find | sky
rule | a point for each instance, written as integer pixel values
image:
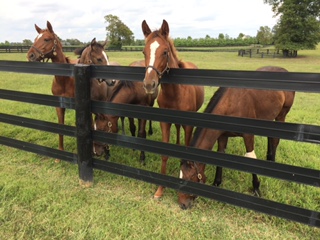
(84, 20)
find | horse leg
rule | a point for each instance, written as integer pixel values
(274, 142)
(165, 129)
(60, 113)
(272, 147)
(222, 145)
(249, 143)
(142, 134)
(132, 127)
(150, 131)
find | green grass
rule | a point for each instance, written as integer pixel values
(40, 199)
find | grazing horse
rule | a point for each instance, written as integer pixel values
(161, 55)
(48, 46)
(237, 102)
(126, 92)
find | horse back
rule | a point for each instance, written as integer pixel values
(199, 90)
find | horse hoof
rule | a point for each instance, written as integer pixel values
(158, 198)
(257, 193)
(216, 184)
(57, 161)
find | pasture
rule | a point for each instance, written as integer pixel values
(41, 199)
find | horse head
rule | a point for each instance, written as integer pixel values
(103, 123)
(94, 54)
(158, 55)
(190, 171)
(45, 44)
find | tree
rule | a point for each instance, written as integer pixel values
(117, 32)
(298, 27)
(264, 35)
(240, 36)
(221, 36)
(27, 42)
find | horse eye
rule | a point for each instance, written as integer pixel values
(99, 60)
(47, 40)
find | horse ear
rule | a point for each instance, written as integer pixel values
(37, 28)
(93, 41)
(49, 26)
(164, 28)
(145, 29)
(105, 43)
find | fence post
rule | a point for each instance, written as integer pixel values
(82, 75)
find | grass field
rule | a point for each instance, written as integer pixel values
(40, 199)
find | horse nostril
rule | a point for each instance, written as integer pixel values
(31, 56)
(153, 84)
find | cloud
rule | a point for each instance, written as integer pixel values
(85, 20)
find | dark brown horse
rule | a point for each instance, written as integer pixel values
(47, 46)
(237, 102)
(126, 92)
(161, 55)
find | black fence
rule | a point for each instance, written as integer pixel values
(305, 82)
(260, 53)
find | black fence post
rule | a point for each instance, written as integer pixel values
(82, 75)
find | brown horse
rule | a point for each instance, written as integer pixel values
(126, 92)
(47, 46)
(237, 102)
(161, 55)
(100, 89)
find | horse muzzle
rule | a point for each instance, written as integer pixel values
(150, 88)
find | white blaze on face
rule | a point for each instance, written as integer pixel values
(94, 126)
(153, 49)
(181, 174)
(39, 36)
(251, 154)
(106, 57)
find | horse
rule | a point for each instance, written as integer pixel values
(100, 89)
(160, 55)
(237, 102)
(48, 46)
(126, 92)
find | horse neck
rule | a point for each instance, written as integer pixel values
(59, 57)
(170, 89)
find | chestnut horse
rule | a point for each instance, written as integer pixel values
(126, 92)
(161, 55)
(47, 46)
(237, 102)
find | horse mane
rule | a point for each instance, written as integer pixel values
(210, 107)
(79, 51)
(121, 84)
(173, 49)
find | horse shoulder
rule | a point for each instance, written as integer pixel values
(74, 61)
